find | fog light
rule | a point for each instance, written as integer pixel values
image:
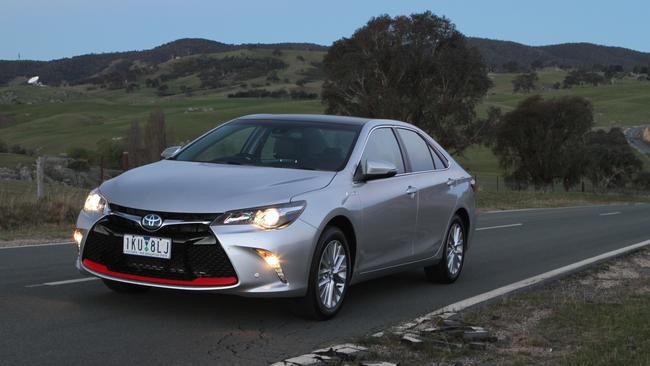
(273, 261)
(77, 236)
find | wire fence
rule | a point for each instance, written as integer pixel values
(498, 183)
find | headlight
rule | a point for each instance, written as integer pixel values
(95, 203)
(271, 217)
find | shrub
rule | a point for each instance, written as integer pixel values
(80, 153)
(79, 165)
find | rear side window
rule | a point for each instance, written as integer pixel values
(438, 160)
(417, 150)
(382, 145)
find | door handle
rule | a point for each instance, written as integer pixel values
(451, 182)
(411, 191)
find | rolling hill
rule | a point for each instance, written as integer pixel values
(81, 69)
(578, 55)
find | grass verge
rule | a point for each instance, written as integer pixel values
(600, 316)
(506, 200)
(22, 215)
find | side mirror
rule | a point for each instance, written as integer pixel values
(377, 169)
(169, 152)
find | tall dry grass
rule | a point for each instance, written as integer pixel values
(20, 210)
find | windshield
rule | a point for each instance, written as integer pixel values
(281, 144)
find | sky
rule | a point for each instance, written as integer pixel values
(51, 29)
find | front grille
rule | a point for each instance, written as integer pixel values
(165, 215)
(196, 252)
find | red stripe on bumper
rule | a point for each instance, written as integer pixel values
(201, 281)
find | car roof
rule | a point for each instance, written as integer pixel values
(357, 121)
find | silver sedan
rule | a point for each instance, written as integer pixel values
(282, 205)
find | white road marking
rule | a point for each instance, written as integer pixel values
(610, 213)
(498, 227)
(463, 304)
(561, 208)
(38, 245)
(65, 282)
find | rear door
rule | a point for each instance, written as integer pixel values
(389, 210)
(429, 174)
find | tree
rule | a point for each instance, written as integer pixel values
(543, 140)
(511, 66)
(525, 82)
(611, 162)
(137, 155)
(537, 64)
(156, 135)
(415, 68)
(111, 152)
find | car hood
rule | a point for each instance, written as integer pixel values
(181, 186)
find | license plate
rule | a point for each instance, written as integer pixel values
(147, 246)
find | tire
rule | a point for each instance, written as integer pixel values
(316, 303)
(125, 288)
(442, 272)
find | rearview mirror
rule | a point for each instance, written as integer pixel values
(377, 169)
(169, 152)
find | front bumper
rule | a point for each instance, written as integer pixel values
(253, 276)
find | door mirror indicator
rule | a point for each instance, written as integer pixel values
(169, 152)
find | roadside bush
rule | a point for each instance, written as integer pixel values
(3, 147)
(80, 153)
(301, 94)
(111, 152)
(79, 165)
(259, 93)
(642, 181)
(21, 150)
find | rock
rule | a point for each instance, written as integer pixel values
(476, 335)
(25, 173)
(412, 340)
(444, 344)
(378, 335)
(452, 323)
(374, 363)
(480, 346)
(304, 360)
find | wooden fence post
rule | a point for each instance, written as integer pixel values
(101, 169)
(125, 160)
(40, 191)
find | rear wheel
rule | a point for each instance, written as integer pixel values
(453, 256)
(329, 276)
(125, 288)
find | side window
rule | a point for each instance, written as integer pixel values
(437, 159)
(417, 150)
(382, 145)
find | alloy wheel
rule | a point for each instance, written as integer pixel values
(455, 249)
(332, 274)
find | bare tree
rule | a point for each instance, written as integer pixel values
(156, 135)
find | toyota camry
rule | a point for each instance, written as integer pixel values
(297, 206)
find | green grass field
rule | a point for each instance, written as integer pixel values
(51, 120)
(624, 103)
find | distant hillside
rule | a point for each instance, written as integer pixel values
(79, 68)
(128, 65)
(581, 55)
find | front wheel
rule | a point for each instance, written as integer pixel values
(329, 276)
(453, 256)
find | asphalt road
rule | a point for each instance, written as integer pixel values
(71, 323)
